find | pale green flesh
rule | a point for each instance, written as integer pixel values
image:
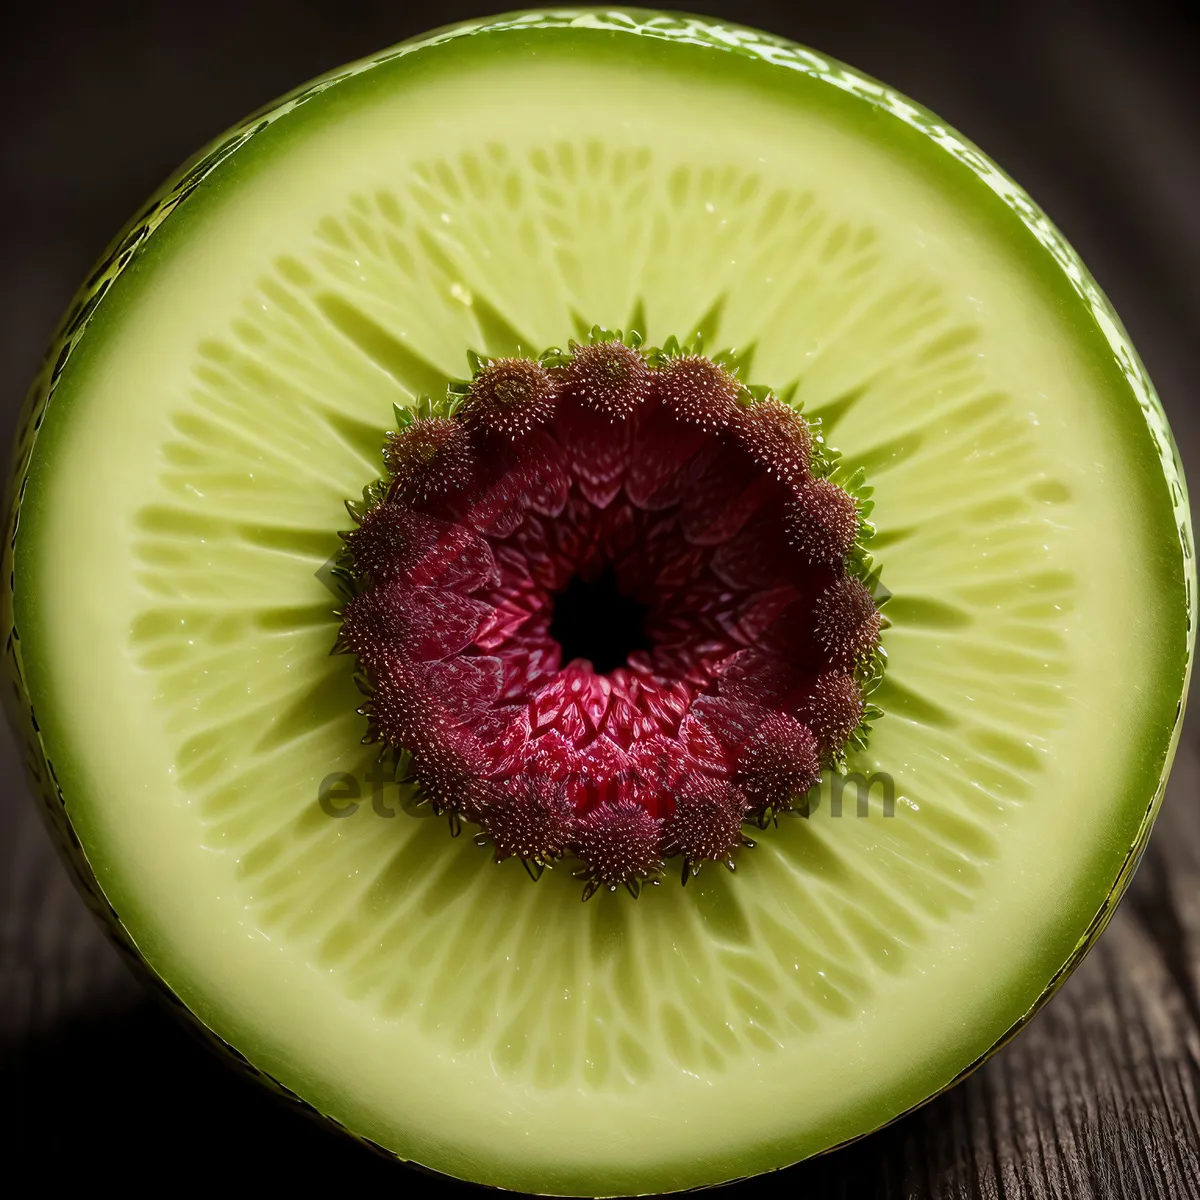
(190, 479)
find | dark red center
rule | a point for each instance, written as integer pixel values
(618, 622)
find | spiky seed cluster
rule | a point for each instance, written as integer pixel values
(382, 544)
(420, 624)
(450, 777)
(620, 842)
(822, 522)
(429, 459)
(403, 709)
(607, 378)
(529, 818)
(707, 821)
(396, 543)
(374, 625)
(709, 503)
(833, 710)
(698, 391)
(511, 397)
(779, 763)
(846, 623)
(777, 437)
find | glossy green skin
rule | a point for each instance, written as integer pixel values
(766, 62)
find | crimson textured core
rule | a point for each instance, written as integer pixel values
(713, 509)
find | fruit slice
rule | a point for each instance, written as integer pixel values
(224, 384)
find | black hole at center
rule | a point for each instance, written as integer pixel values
(597, 622)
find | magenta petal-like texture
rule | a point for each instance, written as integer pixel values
(701, 506)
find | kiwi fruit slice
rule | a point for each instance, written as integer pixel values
(224, 384)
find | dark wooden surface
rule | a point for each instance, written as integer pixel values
(1095, 109)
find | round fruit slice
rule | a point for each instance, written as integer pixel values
(224, 384)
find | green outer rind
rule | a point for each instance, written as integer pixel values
(643, 24)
